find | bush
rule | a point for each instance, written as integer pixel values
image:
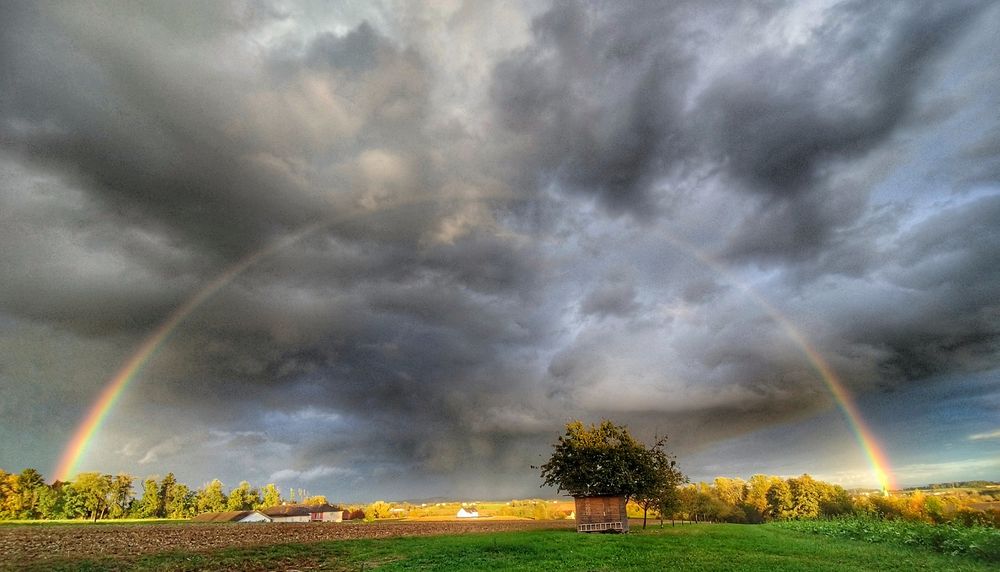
(978, 541)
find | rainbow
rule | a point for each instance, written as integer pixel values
(112, 391)
(873, 451)
(876, 457)
(98, 412)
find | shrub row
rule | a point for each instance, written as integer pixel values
(978, 541)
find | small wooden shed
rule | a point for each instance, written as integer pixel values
(603, 513)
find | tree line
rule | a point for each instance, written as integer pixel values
(767, 498)
(605, 459)
(97, 496)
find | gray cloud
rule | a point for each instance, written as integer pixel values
(616, 298)
(595, 102)
(579, 217)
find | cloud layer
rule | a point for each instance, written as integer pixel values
(492, 219)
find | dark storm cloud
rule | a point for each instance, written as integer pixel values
(599, 104)
(778, 119)
(355, 51)
(947, 269)
(575, 218)
(614, 298)
(149, 144)
(596, 100)
(783, 124)
(216, 162)
(795, 134)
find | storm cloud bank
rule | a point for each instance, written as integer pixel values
(517, 215)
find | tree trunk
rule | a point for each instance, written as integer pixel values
(644, 509)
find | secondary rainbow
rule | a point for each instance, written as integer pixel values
(92, 421)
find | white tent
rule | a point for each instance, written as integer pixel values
(471, 513)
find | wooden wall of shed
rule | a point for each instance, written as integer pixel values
(591, 510)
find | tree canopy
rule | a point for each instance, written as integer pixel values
(606, 460)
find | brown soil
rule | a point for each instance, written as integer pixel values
(22, 546)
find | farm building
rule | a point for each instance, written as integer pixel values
(232, 516)
(467, 513)
(305, 513)
(601, 513)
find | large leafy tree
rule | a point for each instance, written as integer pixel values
(378, 509)
(606, 460)
(73, 502)
(167, 492)
(149, 506)
(30, 485)
(121, 495)
(243, 497)
(211, 498)
(50, 501)
(805, 493)
(10, 495)
(315, 499)
(779, 501)
(660, 478)
(272, 496)
(181, 503)
(95, 493)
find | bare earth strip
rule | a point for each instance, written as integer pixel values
(25, 545)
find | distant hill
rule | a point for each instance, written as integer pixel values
(957, 485)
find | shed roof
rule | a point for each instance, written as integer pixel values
(299, 509)
(229, 516)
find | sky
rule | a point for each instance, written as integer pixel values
(409, 241)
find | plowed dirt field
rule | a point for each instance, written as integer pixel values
(33, 545)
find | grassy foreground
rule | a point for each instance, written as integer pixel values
(697, 547)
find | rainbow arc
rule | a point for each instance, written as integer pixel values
(114, 388)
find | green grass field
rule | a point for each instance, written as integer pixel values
(694, 547)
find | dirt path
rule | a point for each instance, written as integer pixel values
(31, 545)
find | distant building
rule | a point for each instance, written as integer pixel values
(467, 513)
(232, 516)
(304, 513)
